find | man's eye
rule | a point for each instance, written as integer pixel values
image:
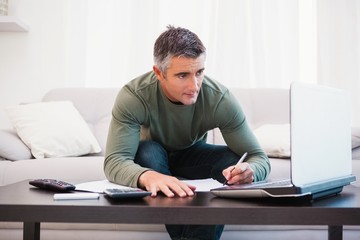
(200, 72)
(181, 76)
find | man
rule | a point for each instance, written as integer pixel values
(177, 105)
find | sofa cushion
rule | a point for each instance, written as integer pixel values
(274, 139)
(11, 146)
(53, 129)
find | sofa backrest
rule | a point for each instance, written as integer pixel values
(264, 105)
(261, 106)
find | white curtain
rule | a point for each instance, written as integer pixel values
(339, 48)
(250, 43)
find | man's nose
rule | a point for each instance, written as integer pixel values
(194, 83)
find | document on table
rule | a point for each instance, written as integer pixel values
(98, 186)
(202, 185)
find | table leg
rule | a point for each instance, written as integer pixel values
(31, 231)
(335, 232)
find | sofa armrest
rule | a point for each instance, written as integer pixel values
(355, 142)
(355, 137)
(356, 153)
(12, 147)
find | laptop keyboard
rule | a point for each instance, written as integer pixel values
(272, 184)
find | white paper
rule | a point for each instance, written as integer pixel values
(98, 186)
(202, 185)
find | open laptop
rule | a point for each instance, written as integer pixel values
(320, 120)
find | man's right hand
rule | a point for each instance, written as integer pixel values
(154, 182)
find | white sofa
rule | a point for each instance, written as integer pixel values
(262, 107)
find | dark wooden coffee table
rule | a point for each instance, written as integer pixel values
(21, 202)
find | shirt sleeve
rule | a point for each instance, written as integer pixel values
(123, 140)
(239, 136)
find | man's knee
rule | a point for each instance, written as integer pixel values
(152, 155)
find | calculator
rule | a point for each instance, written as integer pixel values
(118, 193)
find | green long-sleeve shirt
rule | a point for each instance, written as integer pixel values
(142, 103)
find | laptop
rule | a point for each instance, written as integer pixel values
(321, 164)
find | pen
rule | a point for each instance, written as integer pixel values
(237, 164)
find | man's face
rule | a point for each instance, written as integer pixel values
(183, 78)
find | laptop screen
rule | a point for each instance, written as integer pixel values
(320, 133)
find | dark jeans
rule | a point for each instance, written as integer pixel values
(200, 161)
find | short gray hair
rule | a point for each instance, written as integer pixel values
(176, 42)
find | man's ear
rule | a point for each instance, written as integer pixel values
(158, 73)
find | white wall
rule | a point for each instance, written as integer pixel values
(32, 62)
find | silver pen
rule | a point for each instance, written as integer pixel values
(237, 165)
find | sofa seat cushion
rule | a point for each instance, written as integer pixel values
(70, 169)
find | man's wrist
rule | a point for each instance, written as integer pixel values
(141, 180)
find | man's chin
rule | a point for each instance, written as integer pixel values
(189, 102)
